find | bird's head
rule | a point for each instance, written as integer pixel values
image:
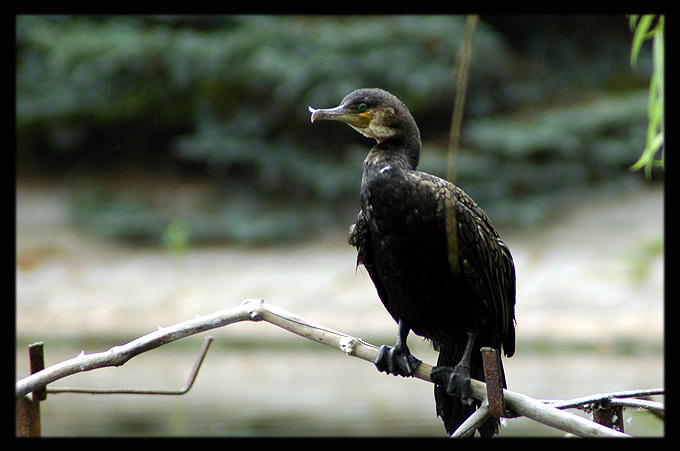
(374, 113)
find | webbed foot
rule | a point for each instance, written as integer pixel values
(456, 381)
(396, 360)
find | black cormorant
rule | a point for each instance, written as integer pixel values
(438, 265)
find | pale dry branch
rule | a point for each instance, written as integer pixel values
(599, 397)
(137, 391)
(119, 355)
(258, 310)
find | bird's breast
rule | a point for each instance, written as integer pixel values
(393, 204)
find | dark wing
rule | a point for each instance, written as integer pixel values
(359, 238)
(488, 265)
(478, 251)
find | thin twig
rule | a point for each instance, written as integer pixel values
(598, 397)
(473, 422)
(454, 134)
(461, 90)
(652, 406)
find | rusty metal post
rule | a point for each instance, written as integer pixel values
(37, 361)
(27, 411)
(27, 417)
(494, 381)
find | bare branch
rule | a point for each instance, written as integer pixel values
(137, 391)
(598, 397)
(473, 422)
(257, 310)
(652, 406)
(550, 416)
(516, 402)
(119, 355)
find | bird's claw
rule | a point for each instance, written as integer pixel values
(456, 381)
(396, 360)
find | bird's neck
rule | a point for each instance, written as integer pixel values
(403, 155)
(381, 157)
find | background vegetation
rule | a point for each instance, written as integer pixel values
(176, 130)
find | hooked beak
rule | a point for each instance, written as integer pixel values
(341, 114)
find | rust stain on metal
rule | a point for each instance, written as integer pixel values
(494, 382)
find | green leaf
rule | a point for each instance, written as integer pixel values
(640, 36)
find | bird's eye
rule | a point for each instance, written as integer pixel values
(362, 108)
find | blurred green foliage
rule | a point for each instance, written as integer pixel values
(105, 101)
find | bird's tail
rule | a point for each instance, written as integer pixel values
(450, 408)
